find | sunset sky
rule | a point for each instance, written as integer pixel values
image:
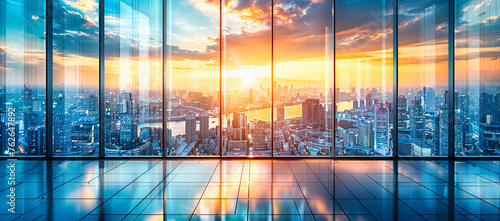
(302, 42)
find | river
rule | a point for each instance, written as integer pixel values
(178, 127)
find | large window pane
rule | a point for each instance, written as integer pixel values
(193, 78)
(246, 76)
(303, 90)
(134, 78)
(477, 78)
(363, 77)
(76, 111)
(22, 78)
(423, 78)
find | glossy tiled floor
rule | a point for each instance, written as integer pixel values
(253, 190)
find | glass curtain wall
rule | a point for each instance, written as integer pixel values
(22, 78)
(192, 78)
(363, 78)
(477, 78)
(133, 78)
(423, 78)
(246, 78)
(302, 78)
(76, 78)
(251, 78)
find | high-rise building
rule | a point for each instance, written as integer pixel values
(369, 101)
(62, 126)
(489, 139)
(402, 111)
(204, 125)
(437, 134)
(190, 128)
(312, 113)
(381, 130)
(443, 132)
(93, 106)
(35, 141)
(485, 107)
(126, 102)
(27, 98)
(355, 104)
(417, 123)
(429, 99)
(240, 126)
(127, 131)
(496, 108)
(365, 133)
(281, 113)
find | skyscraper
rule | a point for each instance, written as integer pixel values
(312, 113)
(443, 131)
(190, 128)
(402, 111)
(369, 101)
(62, 126)
(485, 106)
(93, 106)
(417, 123)
(381, 130)
(496, 108)
(429, 99)
(281, 113)
(204, 125)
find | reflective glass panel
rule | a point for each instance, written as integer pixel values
(423, 78)
(193, 78)
(22, 78)
(76, 78)
(363, 78)
(302, 78)
(246, 78)
(134, 78)
(477, 78)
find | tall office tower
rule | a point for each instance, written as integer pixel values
(32, 141)
(436, 134)
(496, 108)
(204, 125)
(240, 127)
(417, 123)
(459, 135)
(485, 104)
(126, 130)
(364, 133)
(281, 113)
(93, 106)
(27, 98)
(168, 134)
(2, 96)
(402, 111)
(126, 102)
(381, 130)
(361, 103)
(429, 100)
(355, 104)
(489, 139)
(62, 126)
(369, 102)
(190, 128)
(312, 113)
(443, 131)
(463, 105)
